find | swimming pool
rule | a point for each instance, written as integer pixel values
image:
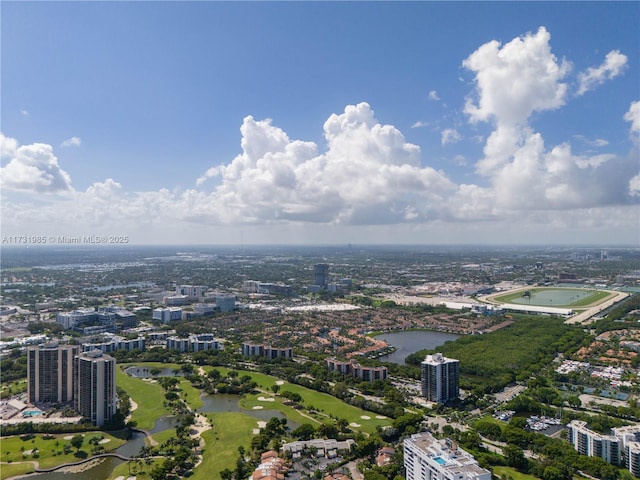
(440, 461)
(31, 413)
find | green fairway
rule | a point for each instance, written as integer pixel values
(359, 419)
(250, 401)
(148, 396)
(164, 435)
(230, 430)
(11, 469)
(190, 394)
(324, 403)
(49, 452)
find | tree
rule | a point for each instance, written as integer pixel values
(77, 441)
(552, 473)
(369, 446)
(304, 432)
(226, 474)
(515, 456)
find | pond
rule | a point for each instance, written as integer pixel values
(408, 342)
(222, 402)
(164, 423)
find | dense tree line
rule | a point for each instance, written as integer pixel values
(14, 367)
(493, 360)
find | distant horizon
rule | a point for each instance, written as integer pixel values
(330, 245)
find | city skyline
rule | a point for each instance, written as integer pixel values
(321, 123)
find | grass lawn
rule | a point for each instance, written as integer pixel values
(125, 469)
(190, 394)
(10, 469)
(230, 430)
(264, 381)
(150, 365)
(329, 405)
(148, 395)
(513, 473)
(321, 401)
(13, 388)
(250, 401)
(164, 435)
(48, 453)
(490, 419)
(324, 403)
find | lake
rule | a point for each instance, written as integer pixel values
(408, 342)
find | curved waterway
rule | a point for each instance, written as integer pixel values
(101, 471)
(408, 342)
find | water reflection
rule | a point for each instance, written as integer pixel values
(410, 342)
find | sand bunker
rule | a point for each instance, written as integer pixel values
(258, 407)
(266, 399)
(352, 424)
(280, 382)
(380, 417)
(105, 440)
(256, 431)
(262, 424)
(365, 417)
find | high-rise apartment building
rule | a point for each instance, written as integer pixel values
(95, 386)
(440, 378)
(50, 372)
(321, 274)
(426, 458)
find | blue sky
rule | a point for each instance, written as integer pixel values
(330, 122)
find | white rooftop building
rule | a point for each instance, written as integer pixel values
(426, 458)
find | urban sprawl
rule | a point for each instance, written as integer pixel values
(334, 363)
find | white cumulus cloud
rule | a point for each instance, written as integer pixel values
(72, 142)
(433, 95)
(613, 65)
(34, 168)
(516, 79)
(633, 117)
(512, 82)
(368, 175)
(8, 146)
